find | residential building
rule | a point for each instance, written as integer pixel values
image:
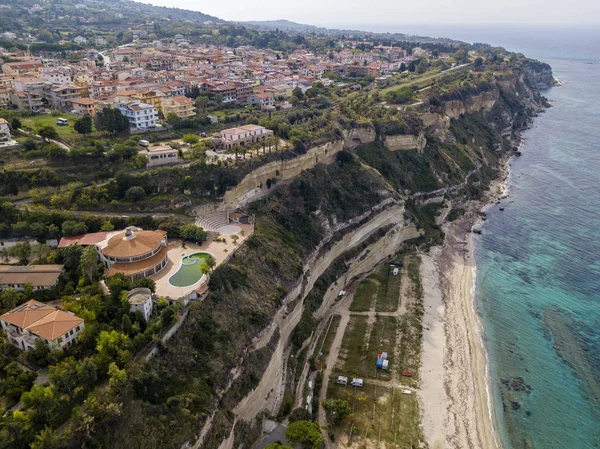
(41, 277)
(135, 253)
(161, 155)
(140, 300)
(264, 100)
(242, 136)
(62, 97)
(149, 97)
(57, 78)
(34, 320)
(84, 106)
(182, 107)
(4, 97)
(140, 115)
(4, 131)
(19, 68)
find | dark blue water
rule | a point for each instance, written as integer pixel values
(538, 262)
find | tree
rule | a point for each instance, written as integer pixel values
(72, 227)
(338, 410)
(15, 124)
(205, 268)
(107, 226)
(173, 118)
(126, 325)
(191, 139)
(89, 262)
(210, 261)
(201, 102)
(306, 433)
(111, 120)
(135, 193)
(55, 152)
(40, 353)
(83, 125)
(22, 251)
(64, 375)
(47, 132)
(9, 298)
(299, 414)
(192, 233)
(422, 67)
(113, 346)
(145, 283)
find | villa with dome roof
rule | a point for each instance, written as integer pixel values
(135, 253)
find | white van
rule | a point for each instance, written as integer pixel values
(143, 143)
(62, 121)
(342, 380)
(357, 382)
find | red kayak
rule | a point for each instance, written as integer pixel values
(406, 373)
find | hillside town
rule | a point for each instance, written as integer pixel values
(149, 82)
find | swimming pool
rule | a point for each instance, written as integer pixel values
(189, 272)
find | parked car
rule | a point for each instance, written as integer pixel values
(202, 134)
(143, 143)
(62, 121)
(343, 380)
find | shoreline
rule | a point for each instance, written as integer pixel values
(462, 413)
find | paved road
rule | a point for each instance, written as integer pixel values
(277, 434)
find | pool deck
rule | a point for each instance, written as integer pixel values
(175, 251)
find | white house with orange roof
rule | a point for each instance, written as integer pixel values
(34, 320)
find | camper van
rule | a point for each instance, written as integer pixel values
(62, 122)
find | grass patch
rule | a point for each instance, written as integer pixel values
(353, 353)
(364, 296)
(382, 339)
(388, 296)
(50, 120)
(411, 327)
(379, 414)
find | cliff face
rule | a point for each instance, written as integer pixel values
(334, 213)
(538, 74)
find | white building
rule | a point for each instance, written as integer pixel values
(57, 78)
(161, 155)
(4, 131)
(34, 320)
(140, 115)
(242, 136)
(140, 299)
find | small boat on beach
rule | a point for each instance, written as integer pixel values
(406, 373)
(406, 392)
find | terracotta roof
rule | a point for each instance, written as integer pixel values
(142, 242)
(42, 320)
(129, 269)
(83, 240)
(85, 101)
(36, 275)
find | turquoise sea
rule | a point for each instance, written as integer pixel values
(538, 274)
(538, 261)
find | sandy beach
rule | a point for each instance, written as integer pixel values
(455, 401)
